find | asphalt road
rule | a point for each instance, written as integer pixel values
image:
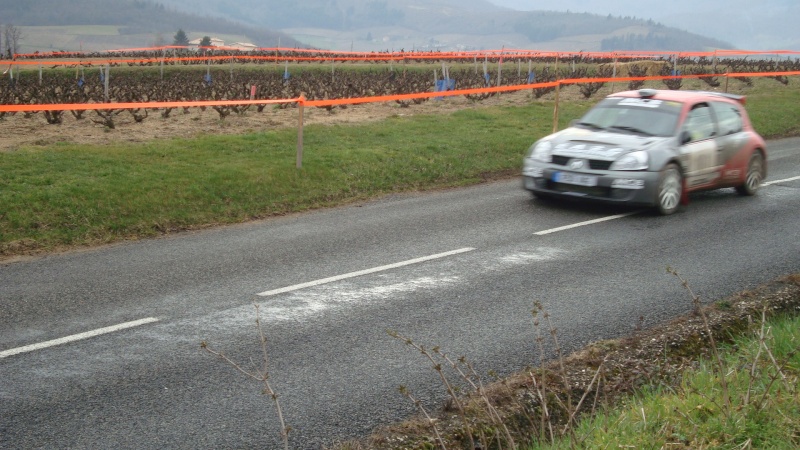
(101, 348)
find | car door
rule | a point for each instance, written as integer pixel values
(700, 155)
(732, 137)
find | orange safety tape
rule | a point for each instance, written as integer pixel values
(389, 98)
(137, 105)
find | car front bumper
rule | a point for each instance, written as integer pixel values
(634, 187)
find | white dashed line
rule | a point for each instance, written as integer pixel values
(583, 224)
(781, 181)
(297, 287)
(136, 323)
(76, 337)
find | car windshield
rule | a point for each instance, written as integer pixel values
(647, 117)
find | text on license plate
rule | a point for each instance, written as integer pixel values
(574, 178)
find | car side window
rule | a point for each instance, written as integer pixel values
(700, 123)
(729, 118)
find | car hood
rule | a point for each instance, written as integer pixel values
(600, 145)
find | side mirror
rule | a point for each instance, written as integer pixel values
(685, 137)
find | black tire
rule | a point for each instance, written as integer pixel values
(754, 177)
(670, 190)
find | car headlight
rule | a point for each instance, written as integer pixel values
(542, 151)
(632, 161)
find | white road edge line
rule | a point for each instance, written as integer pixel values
(781, 181)
(297, 287)
(583, 224)
(76, 337)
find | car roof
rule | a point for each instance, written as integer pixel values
(680, 96)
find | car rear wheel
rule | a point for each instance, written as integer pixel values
(755, 175)
(670, 190)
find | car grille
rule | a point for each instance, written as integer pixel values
(594, 191)
(594, 164)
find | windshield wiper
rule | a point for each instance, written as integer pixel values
(632, 130)
(593, 126)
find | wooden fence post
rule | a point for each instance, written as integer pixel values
(300, 105)
(106, 82)
(558, 91)
(727, 78)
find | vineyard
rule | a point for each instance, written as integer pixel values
(143, 84)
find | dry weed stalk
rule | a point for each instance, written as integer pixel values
(545, 415)
(404, 390)
(437, 366)
(540, 386)
(494, 415)
(260, 375)
(464, 369)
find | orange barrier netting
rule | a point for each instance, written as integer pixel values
(359, 100)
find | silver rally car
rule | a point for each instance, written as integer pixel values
(650, 148)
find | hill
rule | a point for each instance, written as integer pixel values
(93, 25)
(447, 25)
(762, 25)
(365, 25)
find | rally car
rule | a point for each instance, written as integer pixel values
(650, 148)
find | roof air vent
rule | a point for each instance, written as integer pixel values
(647, 93)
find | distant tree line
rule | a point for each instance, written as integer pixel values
(650, 41)
(547, 26)
(331, 15)
(10, 37)
(656, 41)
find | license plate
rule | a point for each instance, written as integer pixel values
(574, 178)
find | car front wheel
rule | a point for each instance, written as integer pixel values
(755, 175)
(670, 190)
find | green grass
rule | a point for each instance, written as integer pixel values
(763, 411)
(68, 195)
(775, 112)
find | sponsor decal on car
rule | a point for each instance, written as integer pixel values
(627, 183)
(588, 151)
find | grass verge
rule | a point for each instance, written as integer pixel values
(744, 397)
(762, 413)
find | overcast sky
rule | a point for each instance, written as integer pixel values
(747, 24)
(646, 9)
